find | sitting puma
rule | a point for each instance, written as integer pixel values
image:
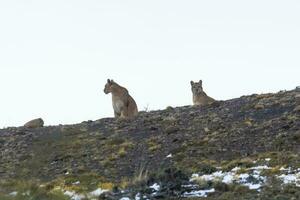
(123, 104)
(199, 96)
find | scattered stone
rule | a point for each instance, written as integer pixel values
(170, 119)
(216, 120)
(171, 129)
(297, 109)
(297, 96)
(170, 108)
(259, 106)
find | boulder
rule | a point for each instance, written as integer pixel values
(35, 123)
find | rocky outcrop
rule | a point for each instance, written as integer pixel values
(35, 123)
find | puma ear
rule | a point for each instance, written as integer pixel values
(112, 81)
(200, 82)
(108, 81)
(192, 83)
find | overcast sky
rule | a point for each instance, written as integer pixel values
(55, 56)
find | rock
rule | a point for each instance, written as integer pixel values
(35, 123)
(107, 196)
(216, 120)
(248, 122)
(171, 119)
(297, 96)
(297, 109)
(171, 129)
(169, 108)
(259, 106)
(206, 130)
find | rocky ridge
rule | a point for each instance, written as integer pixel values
(162, 154)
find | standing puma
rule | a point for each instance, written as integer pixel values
(199, 96)
(123, 104)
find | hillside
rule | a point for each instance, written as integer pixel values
(244, 148)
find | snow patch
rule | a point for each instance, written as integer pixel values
(293, 178)
(97, 192)
(260, 167)
(155, 187)
(74, 196)
(253, 180)
(228, 178)
(13, 194)
(125, 198)
(138, 196)
(236, 169)
(76, 183)
(199, 193)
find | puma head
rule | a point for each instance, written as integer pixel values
(197, 87)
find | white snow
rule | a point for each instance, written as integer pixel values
(191, 186)
(234, 177)
(169, 156)
(253, 186)
(236, 169)
(199, 193)
(209, 177)
(69, 193)
(155, 187)
(13, 194)
(76, 183)
(228, 178)
(289, 170)
(282, 169)
(27, 193)
(125, 198)
(252, 179)
(97, 192)
(244, 176)
(260, 167)
(194, 176)
(74, 196)
(138, 196)
(291, 178)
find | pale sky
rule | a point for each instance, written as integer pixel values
(55, 56)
